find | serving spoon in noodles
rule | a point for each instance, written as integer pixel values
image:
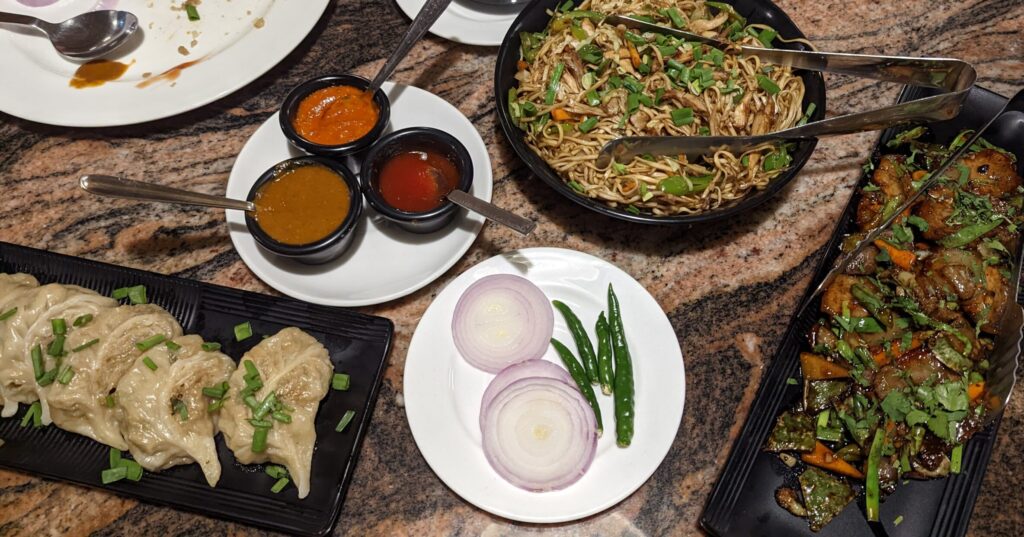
(954, 77)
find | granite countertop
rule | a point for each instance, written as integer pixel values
(728, 288)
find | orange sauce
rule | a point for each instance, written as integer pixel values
(417, 181)
(169, 75)
(336, 115)
(97, 73)
(303, 204)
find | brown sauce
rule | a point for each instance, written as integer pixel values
(169, 75)
(303, 204)
(97, 73)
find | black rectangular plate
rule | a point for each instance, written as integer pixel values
(743, 500)
(358, 345)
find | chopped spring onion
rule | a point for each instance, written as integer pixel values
(216, 405)
(109, 400)
(217, 391)
(149, 363)
(340, 382)
(897, 521)
(261, 423)
(251, 402)
(38, 369)
(192, 12)
(275, 471)
(86, 345)
(682, 116)
(48, 377)
(56, 347)
(110, 475)
(150, 342)
(136, 294)
(179, 408)
(172, 346)
(282, 417)
(59, 326)
(8, 314)
(553, 84)
(807, 114)
(115, 457)
(345, 420)
(265, 406)
(588, 124)
(34, 415)
(280, 485)
(210, 346)
(259, 439)
(678, 185)
(676, 17)
(768, 85)
(957, 459)
(243, 331)
(119, 293)
(134, 469)
(82, 320)
(767, 36)
(66, 375)
(872, 493)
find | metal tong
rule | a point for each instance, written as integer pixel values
(1001, 374)
(953, 76)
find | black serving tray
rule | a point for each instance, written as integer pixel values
(358, 345)
(743, 500)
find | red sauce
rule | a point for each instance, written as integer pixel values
(417, 181)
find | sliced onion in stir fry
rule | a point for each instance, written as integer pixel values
(522, 370)
(539, 434)
(501, 320)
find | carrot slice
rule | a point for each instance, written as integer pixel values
(918, 175)
(975, 389)
(560, 115)
(823, 457)
(817, 368)
(902, 258)
(522, 65)
(882, 357)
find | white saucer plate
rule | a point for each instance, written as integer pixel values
(469, 22)
(443, 392)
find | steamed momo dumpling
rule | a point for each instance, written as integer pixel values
(32, 326)
(13, 288)
(297, 369)
(158, 432)
(81, 405)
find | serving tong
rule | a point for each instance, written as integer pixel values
(1003, 361)
(954, 77)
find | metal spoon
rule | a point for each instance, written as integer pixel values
(86, 36)
(116, 187)
(488, 210)
(431, 10)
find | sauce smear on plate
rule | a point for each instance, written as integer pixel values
(417, 181)
(303, 204)
(336, 115)
(97, 73)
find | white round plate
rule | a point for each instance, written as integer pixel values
(235, 42)
(384, 262)
(469, 22)
(443, 392)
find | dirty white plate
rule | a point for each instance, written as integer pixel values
(384, 262)
(232, 42)
(469, 22)
(443, 392)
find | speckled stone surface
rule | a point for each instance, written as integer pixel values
(727, 288)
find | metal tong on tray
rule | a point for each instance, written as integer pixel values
(953, 76)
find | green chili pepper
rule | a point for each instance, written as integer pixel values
(605, 371)
(872, 494)
(624, 410)
(580, 376)
(579, 335)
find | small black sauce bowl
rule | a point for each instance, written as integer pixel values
(291, 106)
(327, 248)
(415, 139)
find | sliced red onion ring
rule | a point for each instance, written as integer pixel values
(522, 370)
(540, 434)
(501, 320)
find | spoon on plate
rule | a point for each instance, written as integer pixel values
(429, 13)
(84, 37)
(116, 187)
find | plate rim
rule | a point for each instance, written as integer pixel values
(406, 6)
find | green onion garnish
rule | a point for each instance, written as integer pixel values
(172, 346)
(192, 12)
(119, 293)
(111, 475)
(48, 377)
(768, 85)
(243, 331)
(259, 439)
(345, 420)
(682, 116)
(251, 402)
(59, 327)
(115, 457)
(33, 415)
(282, 417)
(137, 294)
(265, 407)
(210, 347)
(82, 320)
(37, 362)
(150, 342)
(109, 400)
(66, 375)
(149, 363)
(956, 459)
(86, 345)
(179, 408)
(275, 471)
(216, 405)
(261, 424)
(8, 314)
(280, 485)
(216, 392)
(56, 347)
(340, 382)
(134, 469)
(250, 369)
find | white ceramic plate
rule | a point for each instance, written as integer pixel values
(232, 49)
(384, 262)
(469, 22)
(443, 392)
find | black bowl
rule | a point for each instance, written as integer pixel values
(291, 106)
(534, 18)
(415, 139)
(323, 250)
